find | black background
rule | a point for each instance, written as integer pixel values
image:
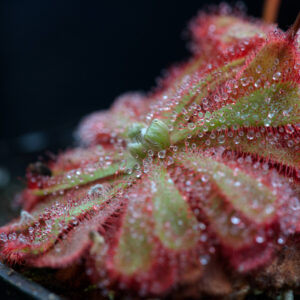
(61, 59)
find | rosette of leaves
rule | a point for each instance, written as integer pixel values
(192, 188)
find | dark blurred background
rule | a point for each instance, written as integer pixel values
(62, 59)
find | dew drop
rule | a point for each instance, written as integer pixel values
(235, 220)
(191, 126)
(259, 239)
(204, 259)
(204, 178)
(268, 100)
(237, 140)
(276, 76)
(170, 160)
(161, 154)
(3, 237)
(221, 139)
(258, 69)
(257, 83)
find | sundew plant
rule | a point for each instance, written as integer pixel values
(191, 189)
